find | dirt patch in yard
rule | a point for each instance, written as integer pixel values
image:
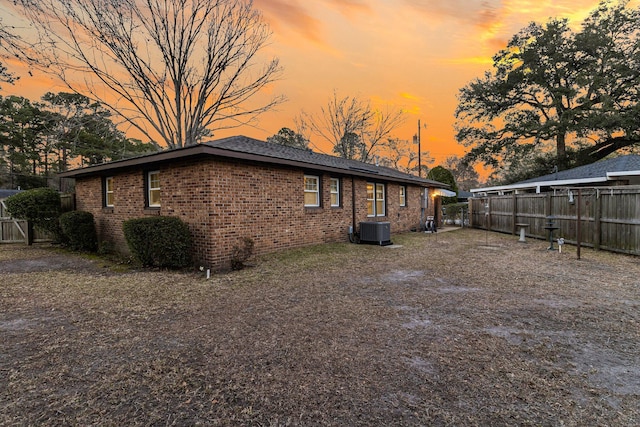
(44, 257)
(437, 332)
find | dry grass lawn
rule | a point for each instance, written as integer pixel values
(462, 328)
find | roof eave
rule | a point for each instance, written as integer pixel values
(204, 149)
(149, 159)
(622, 174)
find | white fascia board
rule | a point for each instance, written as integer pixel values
(622, 173)
(572, 181)
(503, 188)
(537, 185)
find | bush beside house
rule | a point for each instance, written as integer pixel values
(79, 230)
(159, 241)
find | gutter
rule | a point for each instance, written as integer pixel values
(207, 150)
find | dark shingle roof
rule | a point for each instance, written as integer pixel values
(249, 149)
(243, 144)
(594, 170)
(464, 194)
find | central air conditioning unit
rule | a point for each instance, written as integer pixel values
(375, 233)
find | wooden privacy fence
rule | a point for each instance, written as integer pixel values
(609, 217)
(67, 202)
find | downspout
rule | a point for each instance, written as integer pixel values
(353, 202)
(353, 206)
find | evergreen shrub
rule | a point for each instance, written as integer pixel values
(79, 230)
(159, 241)
(40, 206)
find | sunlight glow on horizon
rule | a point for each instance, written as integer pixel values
(407, 54)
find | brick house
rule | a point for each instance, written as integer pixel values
(237, 187)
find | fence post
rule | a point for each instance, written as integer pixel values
(578, 228)
(597, 226)
(515, 213)
(29, 233)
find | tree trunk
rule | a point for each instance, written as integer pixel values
(561, 150)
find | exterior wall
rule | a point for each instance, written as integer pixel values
(128, 203)
(225, 201)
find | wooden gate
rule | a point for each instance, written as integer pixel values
(11, 230)
(15, 231)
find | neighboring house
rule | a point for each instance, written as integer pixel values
(623, 170)
(229, 189)
(7, 193)
(464, 196)
(4, 194)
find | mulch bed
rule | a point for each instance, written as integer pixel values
(459, 328)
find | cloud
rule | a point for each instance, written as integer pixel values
(494, 22)
(308, 19)
(542, 10)
(478, 13)
(409, 96)
(472, 60)
(413, 105)
(289, 15)
(351, 8)
(482, 20)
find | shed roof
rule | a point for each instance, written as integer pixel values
(598, 173)
(249, 149)
(595, 170)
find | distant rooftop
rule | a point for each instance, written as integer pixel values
(598, 169)
(598, 173)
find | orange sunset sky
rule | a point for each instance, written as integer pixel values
(410, 54)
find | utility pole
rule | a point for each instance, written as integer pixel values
(419, 153)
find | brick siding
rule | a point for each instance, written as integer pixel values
(226, 201)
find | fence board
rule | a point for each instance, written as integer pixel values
(609, 218)
(12, 231)
(67, 202)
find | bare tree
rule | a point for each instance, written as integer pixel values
(179, 69)
(400, 154)
(7, 41)
(465, 175)
(355, 130)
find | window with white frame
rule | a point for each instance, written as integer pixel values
(403, 195)
(311, 191)
(334, 185)
(153, 189)
(108, 191)
(375, 199)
